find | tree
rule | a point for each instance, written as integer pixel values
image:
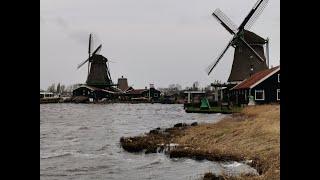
(58, 88)
(208, 88)
(63, 88)
(52, 88)
(69, 88)
(195, 85)
(179, 87)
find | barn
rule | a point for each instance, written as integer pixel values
(263, 86)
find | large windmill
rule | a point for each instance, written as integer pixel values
(249, 55)
(98, 68)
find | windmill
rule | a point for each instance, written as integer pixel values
(98, 68)
(249, 47)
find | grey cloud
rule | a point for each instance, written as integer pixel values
(166, 41)
(61, 22)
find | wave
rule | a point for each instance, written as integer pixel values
(83, 128)
(150, 164)
(88, 169)
(56, 155)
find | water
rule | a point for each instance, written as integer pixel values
(81, 141)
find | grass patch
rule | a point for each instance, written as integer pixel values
(252, 135)
(215, 109)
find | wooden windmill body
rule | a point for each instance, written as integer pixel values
(98, 69)
(249, 56)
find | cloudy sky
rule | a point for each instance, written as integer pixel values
(148, 41)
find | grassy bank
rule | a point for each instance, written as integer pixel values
(253, 134)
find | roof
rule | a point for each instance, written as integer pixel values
(89, 87)
(136, 91)
(43, 92)
(253, 38)
(195, 92)
(95, 89)
(104, 90)
(256, 78)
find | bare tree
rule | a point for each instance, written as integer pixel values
(58, 88)
(195, 85)
(62, 88)
(52, 88)
(208, 88)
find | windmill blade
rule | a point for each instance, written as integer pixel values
(79, 66)
(211, 66)
(225, 21)
(267, 51)
(97, 50)
(108, 71)
(254, 52)
(256, 14)
(248, 17)
(90, 39)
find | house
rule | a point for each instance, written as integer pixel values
(44, 94)
(151, 93)
(263, 86)
(94, 92)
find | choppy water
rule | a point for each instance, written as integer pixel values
(81, 141)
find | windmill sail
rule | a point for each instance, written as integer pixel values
(249, 47)
(256, 14)
(252, 12)
(225, 21)
(211, 66)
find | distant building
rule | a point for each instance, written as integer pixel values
(44, 94)
(194, 96)
(264, 86)
(123, 83)
(94, 92)
(150, 94)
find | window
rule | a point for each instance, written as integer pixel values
(278, 94)
(155, 95)
(278, 78)
(259, 94)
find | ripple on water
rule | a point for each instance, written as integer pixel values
(82, 142)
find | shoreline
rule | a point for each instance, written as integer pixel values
(251, 135)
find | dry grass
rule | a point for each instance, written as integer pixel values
(252, 135)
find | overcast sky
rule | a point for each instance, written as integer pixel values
(148, 41)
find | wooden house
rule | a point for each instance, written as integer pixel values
(263, 86)
(96, 93)
(150, 94)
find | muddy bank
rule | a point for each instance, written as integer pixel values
(253, 136)
(156, 140)
(163, 140)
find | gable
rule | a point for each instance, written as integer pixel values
(256, 78)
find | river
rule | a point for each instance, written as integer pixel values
(81, 141)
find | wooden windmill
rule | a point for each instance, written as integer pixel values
(249, 47)
(98, 68)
